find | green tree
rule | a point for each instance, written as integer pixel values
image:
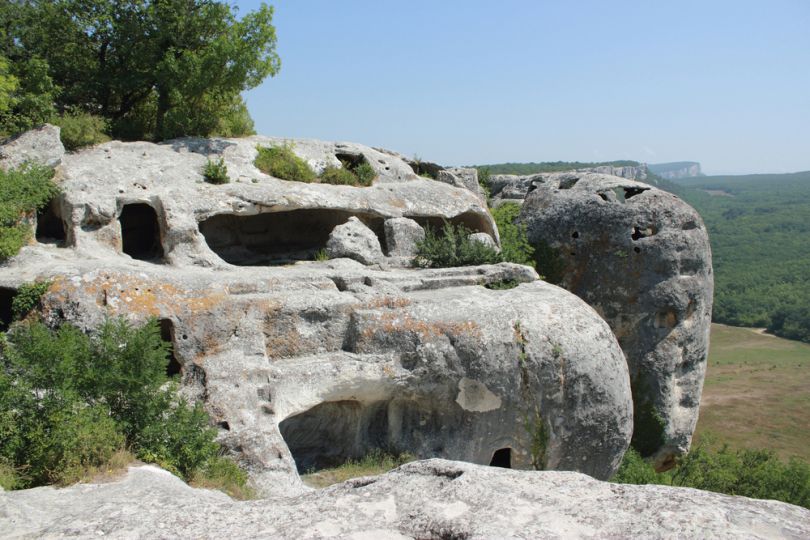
(152, 68)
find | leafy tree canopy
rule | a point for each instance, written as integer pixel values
(153, 68)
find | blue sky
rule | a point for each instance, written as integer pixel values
(726, 83)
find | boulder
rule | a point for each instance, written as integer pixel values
(355, 241)
(641, 257)
(402, 236)
(427, 499)
(485, 239)
(311, 365)
(41, 145)
(463, 177)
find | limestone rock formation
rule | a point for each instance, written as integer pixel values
(41, 145)
(428, 499)
(641, 257)
(307, 364)
(402, 235)
(355, 241)
(485, 239)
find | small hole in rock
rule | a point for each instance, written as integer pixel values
(636, 234)
(502, 458)
(637, 249)
(224, 425)
(632, 192)
(575, 234)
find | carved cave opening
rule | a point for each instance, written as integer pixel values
(474, 222)
(140, 232)
(6, 297)
(334, 432)
(278, 237)
(502, 458)
(50, 226)
(173, 366)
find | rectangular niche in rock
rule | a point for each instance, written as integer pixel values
(50, 226)
(277, 237)
(140, 232)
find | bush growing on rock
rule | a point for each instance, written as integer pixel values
(216, 172)
(22, 192)
(515, 245)
(69, 402)
(452, 247)
(79, 129)
(281, 162)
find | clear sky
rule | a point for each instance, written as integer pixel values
(723, 82)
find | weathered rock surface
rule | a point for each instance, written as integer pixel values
(428, 499)
(355, 241)
(310, 364)
(641, 257)
(41, 145)
(402, 235)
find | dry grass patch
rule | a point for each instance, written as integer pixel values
(755, 394)
(373, 464)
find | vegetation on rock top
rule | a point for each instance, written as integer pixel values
(22, 192)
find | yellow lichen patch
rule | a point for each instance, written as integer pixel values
(389, 302)
(391, 323)
(127, 294)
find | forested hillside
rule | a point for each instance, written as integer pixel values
(759, 226)
(551, 166)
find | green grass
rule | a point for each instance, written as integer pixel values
(374, 463)
(281, 162)
(756, 392)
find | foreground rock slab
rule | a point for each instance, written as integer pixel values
(427, 499)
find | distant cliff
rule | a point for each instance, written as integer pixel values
(676, 169)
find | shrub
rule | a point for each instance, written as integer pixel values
(69, 404)
(80, 129)
(22, 192)
(216, 172)
(349, 175)
(27, 298)
(281, 162)
(515, 247)
(748, 473)
(365, 174)
(452, 247)
(339, 176)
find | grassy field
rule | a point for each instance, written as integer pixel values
(757, 392)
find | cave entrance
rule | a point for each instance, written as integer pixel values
(140, 232)
(474, 222)
(278, 237)
(50, 227)
(6, 297)
(173, 367)
(502, 458)
(335, 432)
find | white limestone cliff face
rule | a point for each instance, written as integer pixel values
(307, 364)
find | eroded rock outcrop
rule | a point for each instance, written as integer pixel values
(641, 257)
(429, 499)
(307, 364)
